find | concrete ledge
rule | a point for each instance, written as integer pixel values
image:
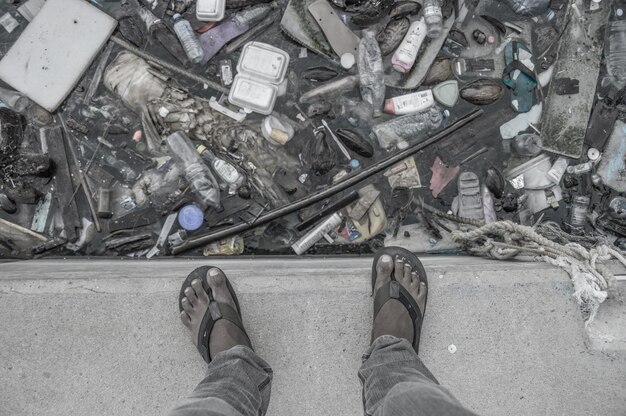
(102, 337)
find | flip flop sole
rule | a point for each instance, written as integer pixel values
(417, 266)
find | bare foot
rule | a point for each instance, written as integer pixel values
(225, 334)
(393, 318)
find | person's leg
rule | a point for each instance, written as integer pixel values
(238, 381)
(395, 381)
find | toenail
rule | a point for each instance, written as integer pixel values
(214, 272)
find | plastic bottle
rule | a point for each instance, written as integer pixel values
(578, 212)
(371, 72)
(188, 39)
(528, 8)
(411, 127)
(213, 40)
(197, 173)
(13, 100)
(159, 31)
(404, 57)
(225, 170)
(431, 11)
(616, 50)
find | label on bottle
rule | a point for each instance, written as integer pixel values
(226, 171)
(432, 11)
(413, 102)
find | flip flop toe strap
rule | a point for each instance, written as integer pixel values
(214, 313)
(394, 290)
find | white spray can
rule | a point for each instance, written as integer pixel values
(404, 57)
(410, 103)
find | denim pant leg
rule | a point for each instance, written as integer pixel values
(396, 383)
(238, 383)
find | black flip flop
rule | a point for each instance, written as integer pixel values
(214, 312)
(393, 290)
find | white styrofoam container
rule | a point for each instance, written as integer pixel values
(250, 93)
(264, 61)
(210, 10)
(261, 69)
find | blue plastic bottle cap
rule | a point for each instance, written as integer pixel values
(354, 164)
(190, 217)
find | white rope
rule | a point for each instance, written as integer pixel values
(590, 276)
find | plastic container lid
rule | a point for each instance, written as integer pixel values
(263, 62)
(190, 217)
(210, 10)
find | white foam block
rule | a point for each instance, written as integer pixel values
(55, 50)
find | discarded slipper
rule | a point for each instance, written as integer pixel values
(519, 76)
(393, 290)
(214, 312)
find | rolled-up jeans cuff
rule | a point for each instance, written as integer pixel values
(397, 349)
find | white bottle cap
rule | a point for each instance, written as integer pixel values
(347, 60)
(593, 154)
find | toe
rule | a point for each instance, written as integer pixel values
(423, 289)
(185, 318)
(202, 296)
(217, 283)
(384, 267)
(407, 272)
(398, 269)
(190, 293)
(187, 307)
(421, 296)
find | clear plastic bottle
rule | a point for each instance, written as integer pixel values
(14, 100)
(578, 213)
(196, 172)
(616, 50)
(399, 131)
(371, 72)
(434, 19)
(188, 39)
(224, 169)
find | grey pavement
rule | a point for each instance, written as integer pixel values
(102, 337)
